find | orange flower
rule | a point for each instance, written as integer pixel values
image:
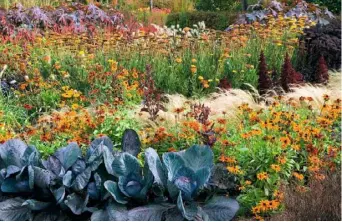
(234, 169)
(298, 176)
(193, 69)
(179, 110)
(221, 121)
(285, 141)
(262, 176)
(282, 160)
(171, 149)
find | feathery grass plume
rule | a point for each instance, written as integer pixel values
(322, 73)
(265, 82)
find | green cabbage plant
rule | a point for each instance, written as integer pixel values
(107, 184)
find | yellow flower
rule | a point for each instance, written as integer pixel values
(193, 60)
(76, 94)
(75, 106)
(178, 60)
(200, 78)
(67, 95)
(275, 167)
(65, 88)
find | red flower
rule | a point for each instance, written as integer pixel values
(28, 106)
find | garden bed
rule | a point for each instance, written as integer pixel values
(103, 118)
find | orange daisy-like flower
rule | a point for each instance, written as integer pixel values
(179, 110)
(234, 169)
(298, 176)
(276, 167)
(262, 176)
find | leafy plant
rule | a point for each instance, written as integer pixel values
(260, 12)
(107, 184)
(321, 40)
(152, 96)
(216, 5)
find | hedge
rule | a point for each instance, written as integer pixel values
(213, 20)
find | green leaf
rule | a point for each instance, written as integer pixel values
(125, 164)
(67, 179)
(173, 163)
(76, 203)
(155, 166)
(113, 189)
(36, 205)
(131, 142)
(117, 212)
(108, 159)
(82, 179)
(197, 157)
(68, 155)
(153, 212)
(54, 165)
(59, 194)
(11, 185)
(42, 177)
(13, 210)
(11, 152)
(221, 208)
(191, 211)
(100, 215)
(55, 215)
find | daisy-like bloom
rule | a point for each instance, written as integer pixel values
(262, 176)
(285, 141)
(234, 169)
(319, 176)
(193, 69)
(75, 106)
(67, 95)
(258, 218)
(264, 205)
(276, 167)
(178, 60)
(179, 110)
(248, 182)
(274, 204)
(298, 176)
(256, 209)
(282, 160)
(278, 195)
(171, 149)
(221, 121)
